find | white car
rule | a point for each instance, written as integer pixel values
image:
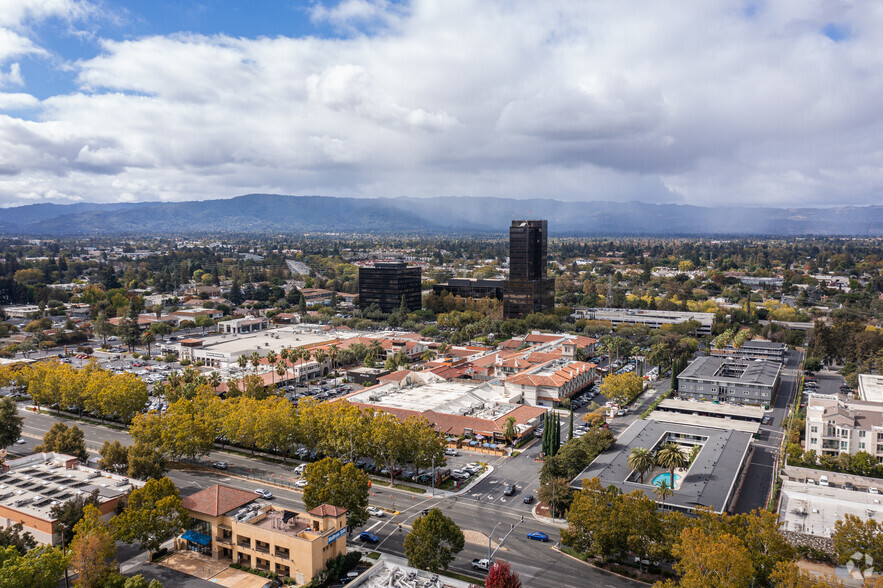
(263, 493)
(302, 483)
(452, 452)
(374, 511)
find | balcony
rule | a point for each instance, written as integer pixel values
(262, 548)
(224, 540)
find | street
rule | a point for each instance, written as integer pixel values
(477, 513)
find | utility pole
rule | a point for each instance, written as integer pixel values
(432, 475)
(63, 550)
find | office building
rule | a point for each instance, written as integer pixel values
(754, 350)
(231, 524)
(654, 319)
(471, 288)
(384, 283)
(719, 379)
(528, 289)
(31, 486)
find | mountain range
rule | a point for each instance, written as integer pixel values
(274, 214)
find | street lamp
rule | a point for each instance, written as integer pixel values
(489, 541)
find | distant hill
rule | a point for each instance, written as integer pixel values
(267, 213)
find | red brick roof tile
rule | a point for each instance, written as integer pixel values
(217, 500)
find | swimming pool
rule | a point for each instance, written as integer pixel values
(657, 480)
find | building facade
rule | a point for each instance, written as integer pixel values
(754, 350)
(231, 524)
(472, 288)
(719, 379)
(528, 289)
(835, 425)
(384, 283)
(654, 319)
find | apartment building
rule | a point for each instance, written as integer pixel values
(232, 524)
(754, 350)
(836, 425)
(549, 383)
(722, 379)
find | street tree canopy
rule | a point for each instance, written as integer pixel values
(433, 542)
(329, 481)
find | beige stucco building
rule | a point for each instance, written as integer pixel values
(232, 524)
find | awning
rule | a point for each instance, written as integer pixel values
(197, 538)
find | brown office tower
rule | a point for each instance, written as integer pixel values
(384, 283)
(528, 290)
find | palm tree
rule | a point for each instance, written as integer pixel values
(671, 456)
(280, 370)
(375, 349)
(509, 429)
(641, 460)
(271, 359)
(333, 352)
(255, 358)
(663, 490)
(242, 361)
(215, 379)
(147, 338)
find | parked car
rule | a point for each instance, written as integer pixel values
(767, 419)
(263, 493)
(509, 490)
(369, 537)
(374, 511)
(452, 452)
(528, 499)
(848, 486)
(20, 441)
(538, 536)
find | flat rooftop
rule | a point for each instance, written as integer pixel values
(263, 341)
(870, 387)
(811, 509)
(648, 315)
(485, 401)
(718, 422)
(743, 411)
(709, 481)
(38, 482)
(720, 369)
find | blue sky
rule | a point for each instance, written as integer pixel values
(687, 101)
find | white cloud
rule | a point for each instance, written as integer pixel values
(699, 102)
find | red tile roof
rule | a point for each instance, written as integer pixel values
(217, 500)
(326, 510)
(542, 338)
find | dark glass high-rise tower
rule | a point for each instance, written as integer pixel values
(385, 283)
(528, 290)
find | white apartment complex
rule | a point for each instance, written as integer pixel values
(835, 425)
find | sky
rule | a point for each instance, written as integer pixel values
(747, 102)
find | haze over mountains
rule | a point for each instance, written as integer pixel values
(266, 213)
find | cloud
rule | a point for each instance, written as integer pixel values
(712, 103)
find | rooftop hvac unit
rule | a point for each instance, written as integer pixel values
(92, 475)
(123, 482)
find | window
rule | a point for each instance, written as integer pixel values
(861, 445)
(844, 445)
(814, 429)
(862, 434)
(814, 441)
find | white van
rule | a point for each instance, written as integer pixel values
(299, 470)
(823, 480)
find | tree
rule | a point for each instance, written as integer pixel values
(10, 422)
(663, 490)
(622, 388)
(557, 493)
(433, 542)
(852, 535)
(707, 560)
(114, 457)
(147, 338)
(68, 513)
(61, 439)
(203, 321)
(509, 429)
(41, 567)
(102, 327)
(117, 580)
(501, 576)
(153, 515)
(15, 536)
(329, 481)
(145, 463)
(671, 456)
(92, 549)
(641, 460)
